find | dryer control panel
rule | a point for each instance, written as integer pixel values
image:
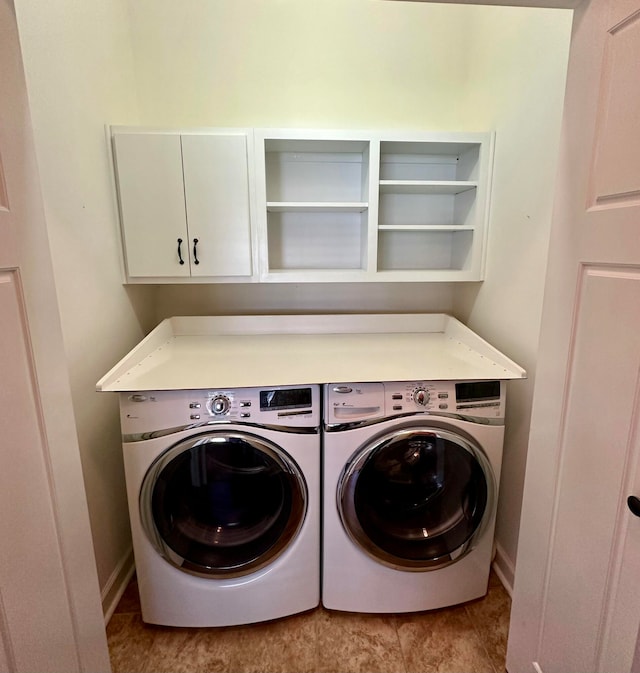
(278, 406)
(355, 402)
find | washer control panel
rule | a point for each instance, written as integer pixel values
(282, 406)
(352, 402)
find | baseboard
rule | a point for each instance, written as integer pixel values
(504, 568)
(116, 584)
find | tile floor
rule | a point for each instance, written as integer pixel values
(470, 638)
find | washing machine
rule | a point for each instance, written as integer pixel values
(411, 474)
(224, 499)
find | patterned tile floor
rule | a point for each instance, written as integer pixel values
(470, 638)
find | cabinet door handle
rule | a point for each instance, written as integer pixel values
(634, 504)
(195, 252)
(180, 251)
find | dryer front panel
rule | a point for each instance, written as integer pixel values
(416, 498)
(223, 504)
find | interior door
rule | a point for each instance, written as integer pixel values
(576, 600)
(50, 612)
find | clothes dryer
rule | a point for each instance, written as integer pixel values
(411, 473)
(224, 500)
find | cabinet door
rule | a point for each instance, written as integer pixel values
(216, 185)
(152, 208)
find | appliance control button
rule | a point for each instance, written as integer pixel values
(396, 396)
(443, 396)
(195, 417)
(245, 404)
(246, 414)
(194, 405)
(421, 396)
(219, 405)
(138, 398)
(342, 389)
(397, 407)
(443, 406)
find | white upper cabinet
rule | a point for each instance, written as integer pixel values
(185, 205)
(303, 206)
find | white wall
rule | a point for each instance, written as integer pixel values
(516, 86)
(339, 63)
(335, 64)
(79, 73)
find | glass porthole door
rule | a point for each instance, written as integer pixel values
(417, 498)
(223, 504)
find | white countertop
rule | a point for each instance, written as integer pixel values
(247, 351)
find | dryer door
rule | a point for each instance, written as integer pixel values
(223, 504)
(417, 498)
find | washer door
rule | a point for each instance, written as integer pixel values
(417, 498)
(223, 504)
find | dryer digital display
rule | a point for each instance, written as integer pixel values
(287, 398)
(478, 391)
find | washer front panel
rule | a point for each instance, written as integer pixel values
(148, 414)
(223, 504)
(416, 497)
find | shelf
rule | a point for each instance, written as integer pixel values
(427, 209)
(316, 239)
(316, 207)
(301, 275)
(417, 150)
(316, 171)
(429, 161)
(451, 187)
(423, 249)
(424, 227)
(427, 189)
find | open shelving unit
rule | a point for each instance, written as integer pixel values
(372, 206)
(316, 205)
(428, 205)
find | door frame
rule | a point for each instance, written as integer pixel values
(69, 506)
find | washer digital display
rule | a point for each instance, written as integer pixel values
(289, 398)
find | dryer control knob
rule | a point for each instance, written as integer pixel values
(421, 396)
(219, 405)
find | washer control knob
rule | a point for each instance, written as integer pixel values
(421, 397)
(219, 405)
